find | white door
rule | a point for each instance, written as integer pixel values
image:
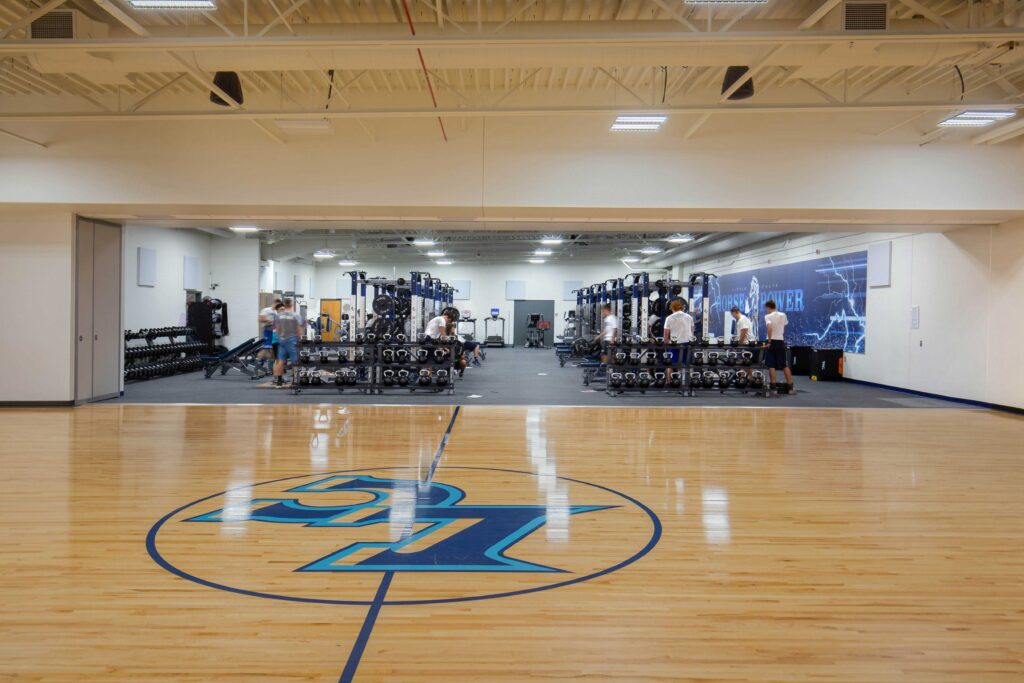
(108, 341)
(83, 305)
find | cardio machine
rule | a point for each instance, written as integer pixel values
(494, 330)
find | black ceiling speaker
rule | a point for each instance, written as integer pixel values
(229, 82)
(733, 74)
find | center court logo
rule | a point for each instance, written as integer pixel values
(298, 538)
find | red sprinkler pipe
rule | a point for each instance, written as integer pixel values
(423, 65)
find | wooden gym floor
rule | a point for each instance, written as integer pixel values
(238, 543)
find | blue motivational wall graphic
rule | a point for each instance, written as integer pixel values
(824, 299)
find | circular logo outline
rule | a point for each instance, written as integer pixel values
(159, 559)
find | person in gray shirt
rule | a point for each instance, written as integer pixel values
(288, 327)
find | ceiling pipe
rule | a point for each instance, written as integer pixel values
(707, 248)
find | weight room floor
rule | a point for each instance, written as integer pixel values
(514, 376)
(795, 545)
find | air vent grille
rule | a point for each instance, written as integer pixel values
(866, 16)
(57, 24)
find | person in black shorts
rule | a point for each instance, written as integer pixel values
(775, 356)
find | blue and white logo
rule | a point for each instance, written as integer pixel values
(437, 530)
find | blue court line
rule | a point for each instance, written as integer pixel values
(349, 673)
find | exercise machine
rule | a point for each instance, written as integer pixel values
(536, 326)
(494, 330)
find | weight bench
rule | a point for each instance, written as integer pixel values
(235, 358)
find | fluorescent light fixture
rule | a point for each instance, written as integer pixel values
(551, 240)
(535, 260)
(346, 263)
(305, 125)
(725, 2)
(323, 253)
(982, 114)
(650, 250)
(444, 262)
(638, 123)
(631, 259)
(173, 4)
(975, 118)
(423, 242)
(244, 228)
(679, 239)
(543, 252)
(435, 254)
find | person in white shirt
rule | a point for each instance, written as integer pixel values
(609, 326)
(609, 333)
(437, 326)
(775, 356)
(678, 326)
(744, 327)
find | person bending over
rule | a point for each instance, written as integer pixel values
(775, 356)
(744, 328)
(438, 326)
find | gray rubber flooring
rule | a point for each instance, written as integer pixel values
(515, 376)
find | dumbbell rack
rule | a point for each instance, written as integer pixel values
(712, 359)
(340, 357)
(638, 357)
(413, 365)
(161, 360)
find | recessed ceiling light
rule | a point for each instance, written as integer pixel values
(173, 4)
(543, 252)
(323, 253)
(535, 260)
(679, 239)
(435, 254)
(423, 242)
(638, 123)
(551, 240)
(444, 262)
(630, 259)
(346, 263)
(650, 250)
(244, 228)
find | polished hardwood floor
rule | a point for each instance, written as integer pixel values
(239, 543)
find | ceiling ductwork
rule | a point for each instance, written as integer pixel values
(807, 60)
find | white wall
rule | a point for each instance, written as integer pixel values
(164, 304)
(37, 270)
(1006, 318)
(235, 269)
(967, 284)
(780, 162)
(487, 288)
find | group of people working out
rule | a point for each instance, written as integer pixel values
(678, 329)
(283, 326)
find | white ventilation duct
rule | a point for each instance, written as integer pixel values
(809, 60)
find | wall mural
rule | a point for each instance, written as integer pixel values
(824, 299)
